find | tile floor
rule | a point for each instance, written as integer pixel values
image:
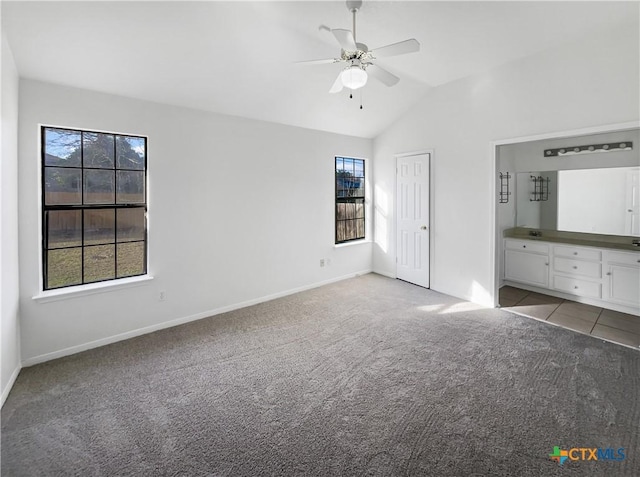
(600, 322)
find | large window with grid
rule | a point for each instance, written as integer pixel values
(94, 204)
(349, 199)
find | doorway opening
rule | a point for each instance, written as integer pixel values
(528, 158)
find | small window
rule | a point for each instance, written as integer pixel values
(349, 199)
(94, 205)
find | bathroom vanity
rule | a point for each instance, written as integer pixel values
(588, 268)
(569, 215)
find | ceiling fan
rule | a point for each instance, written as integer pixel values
(359, 59)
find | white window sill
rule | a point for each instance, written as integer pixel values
(91, 289)
(349, 244)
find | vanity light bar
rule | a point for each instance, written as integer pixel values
(568, 151)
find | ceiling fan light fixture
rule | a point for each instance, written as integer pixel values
(360, 62)
(354, 77)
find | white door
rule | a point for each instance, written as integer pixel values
(412, 219)
(633, 203)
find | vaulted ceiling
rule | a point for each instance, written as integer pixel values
(238, 57)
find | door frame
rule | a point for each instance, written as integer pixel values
(495, 239)
(397, 156)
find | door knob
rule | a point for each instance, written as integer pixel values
(424, 227)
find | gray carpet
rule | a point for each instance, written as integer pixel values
(369, 376)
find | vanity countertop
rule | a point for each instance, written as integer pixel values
(617, 242)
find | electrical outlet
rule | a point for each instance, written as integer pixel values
(162, 296)
(322, 262)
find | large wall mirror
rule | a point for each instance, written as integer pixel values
(597, 201)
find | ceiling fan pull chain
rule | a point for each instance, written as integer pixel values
(360, 99)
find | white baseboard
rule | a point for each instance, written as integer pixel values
(179, 321)
(436, 288)
(385, 274)
(462, 296)
(7, 388)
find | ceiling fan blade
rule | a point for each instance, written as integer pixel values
(345, 38)
(319, 62)
(400, 48)
(337, 85)
(382, 75)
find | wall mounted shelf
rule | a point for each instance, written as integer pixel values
(504, 188)
(540, 189)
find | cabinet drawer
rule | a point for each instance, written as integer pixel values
(577, 267)
(577, 252)
(575, 286)
(624, 258)
(527, 246)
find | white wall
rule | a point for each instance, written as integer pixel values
(9, 276)
(239, 210)
(585, 83)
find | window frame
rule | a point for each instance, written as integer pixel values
(363, 238)
(89, 286)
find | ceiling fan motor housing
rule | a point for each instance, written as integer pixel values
(362, 54)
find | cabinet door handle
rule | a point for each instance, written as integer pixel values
(576, 287)
(547, 264)
(524, 246)
(609, 273)
(575, 253)
(575, 268)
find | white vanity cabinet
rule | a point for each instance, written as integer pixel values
(623, 277)
(527, 262)
(602, 277)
